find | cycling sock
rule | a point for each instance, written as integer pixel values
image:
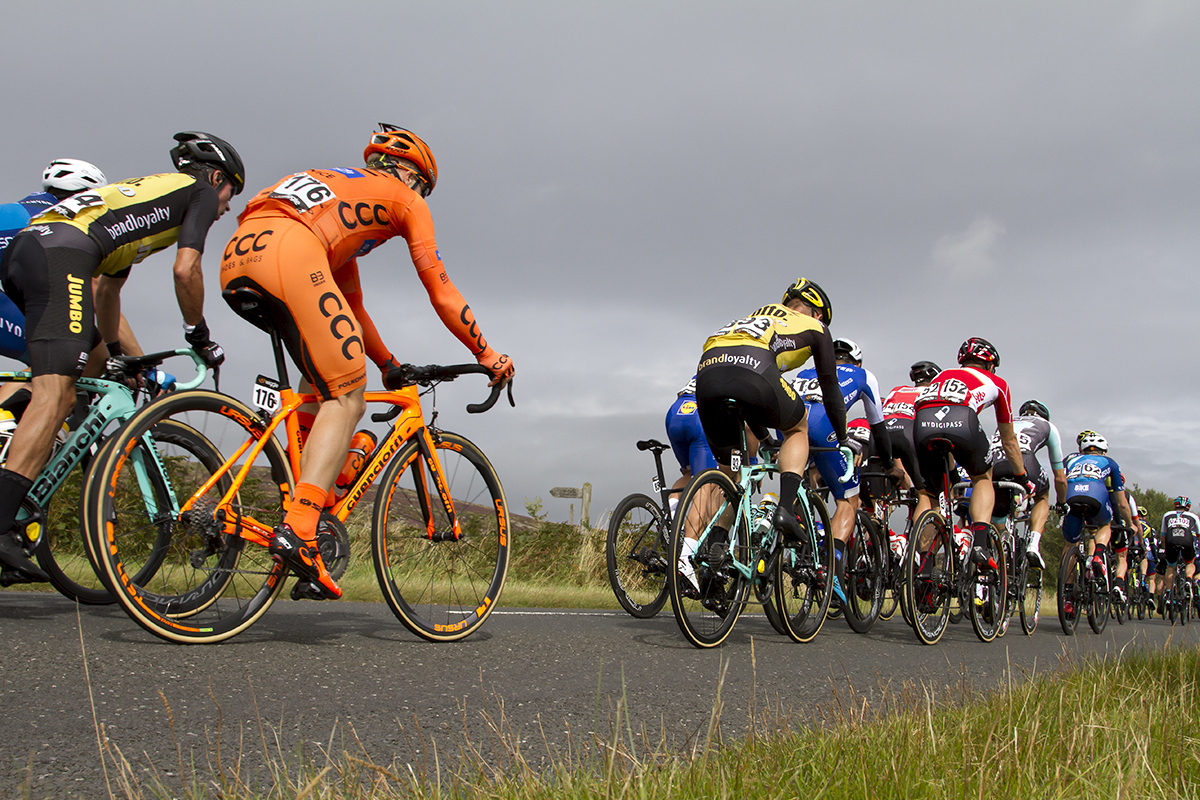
(13, 488)
(839, 550)
(789, 487)
(673, 503)
(1034, 538)
(302, 516)
(17, 402)
(979, 534)
(1101, 549)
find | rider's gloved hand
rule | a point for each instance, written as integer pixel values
(499, 365)
(1023, 480)
(396, 377)
(118, 369)
(1061, 509)
(209, 351)
(844, 446)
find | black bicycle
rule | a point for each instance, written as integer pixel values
(639, 544)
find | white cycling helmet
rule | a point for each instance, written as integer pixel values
(847, 348)
(72, 175)
(1090, 439)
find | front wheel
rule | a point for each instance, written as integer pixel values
(440, 580)
(636, 554)
(929, 576)
(708, 520)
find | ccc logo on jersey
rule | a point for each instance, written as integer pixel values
(340, 325)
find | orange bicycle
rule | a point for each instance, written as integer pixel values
(439, 532)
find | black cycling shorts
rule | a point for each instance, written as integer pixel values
(900, 431)
(762, 399)
(50, 279)
(959, 428)
(1003, 471)
(1173, 554)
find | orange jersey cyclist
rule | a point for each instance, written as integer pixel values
(744, 362)
(47, 271)
(298, 245)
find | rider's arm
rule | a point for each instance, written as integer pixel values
(107, 297)
(189, 286)
(1060, 485)
(1123, 505)
(826, 366)
(873, 409)
(1012, 448)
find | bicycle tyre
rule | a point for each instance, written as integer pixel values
(1121, 609)
(706, 616)
(987, 618)
(441, 588)
(929, 577)
(803, 580)
(1070, 591)
(1031, 598)
(1098, 607)
(863, 572)
(635, 552)
(179, 575)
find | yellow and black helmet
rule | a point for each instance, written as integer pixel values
(812, 295)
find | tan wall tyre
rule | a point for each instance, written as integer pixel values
(804, 577)
(441, 588)
(706, 615)
(990, 587)
(179, 573)
(635, 554)
(929, 576)
(1031, 598)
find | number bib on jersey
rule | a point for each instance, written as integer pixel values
(71, 207)
(266, 395)
(952, 392)
(754, 327)
(304, 192)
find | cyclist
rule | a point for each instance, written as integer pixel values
(948, 410)
(1093, 478)
(855, 383)
(1179, 532)
(744, 362)
(899, 411)
(686, 436)
(297, 246)
(1034, 432)
(103, 232)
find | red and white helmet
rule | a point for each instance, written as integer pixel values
(979, 349)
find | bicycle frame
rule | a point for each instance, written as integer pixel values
(410, 425)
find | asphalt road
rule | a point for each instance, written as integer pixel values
(314, 677)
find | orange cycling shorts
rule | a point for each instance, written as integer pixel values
(287, 263)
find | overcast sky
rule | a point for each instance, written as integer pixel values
(617, 180)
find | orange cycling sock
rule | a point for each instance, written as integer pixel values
(302, 516)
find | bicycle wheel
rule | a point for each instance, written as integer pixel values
(929, 577)
(185, 576)
(1097, 607)
(706, 612)
(864, 574)
(1184, 594)
(1121, 608)
(441, 587)
(1031, 598)
(1071, 591)
(989, 592)
(636, 554)
(803, 576)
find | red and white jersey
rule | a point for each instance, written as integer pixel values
(901, 402)
(971, 387)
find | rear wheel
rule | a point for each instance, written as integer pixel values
(1031, 598)
(187, 576)
(709, 511)
(864, 574)
(929, 576)
(1098, 606)
(1070, 591)
(441, 583)
(636, 555)
(989, 592)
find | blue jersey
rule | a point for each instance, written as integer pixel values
(856, 384)
(1093, 467)
(13, 218)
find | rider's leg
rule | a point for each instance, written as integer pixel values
(324, 456)
(1037, 523)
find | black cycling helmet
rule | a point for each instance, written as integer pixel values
(1034, 408)
(923, 372)
(979, 349)
(812, 295)
(197, 147)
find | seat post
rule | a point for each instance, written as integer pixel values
(280, 362)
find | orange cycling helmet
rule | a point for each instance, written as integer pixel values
(401, 143)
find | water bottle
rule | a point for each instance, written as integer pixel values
(8, 424)
(764, 515)
(361, 447)
(897, 542)
(163, 380)
(962, 541)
